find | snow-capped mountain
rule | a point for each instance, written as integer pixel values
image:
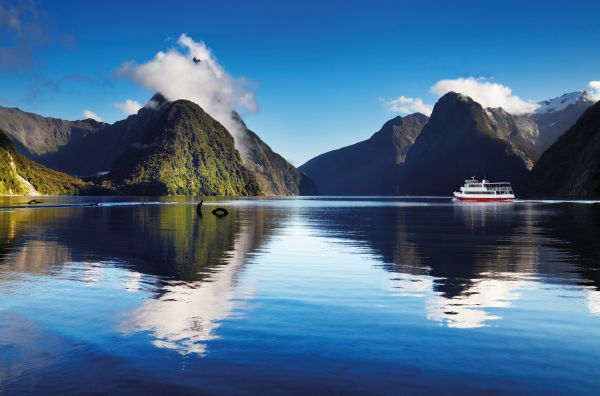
(562, 102)
(555, 116)
(546, 124)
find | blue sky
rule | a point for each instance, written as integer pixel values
(320, 71)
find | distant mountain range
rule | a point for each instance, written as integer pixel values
(461, 139)
(177, 148)
(38, 136)
(166, 148)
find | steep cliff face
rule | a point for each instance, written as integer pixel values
(275, 176)
(571, 166)
(369, 167)
(461, 140)
(544, 126)
(520, 131)
(273, 173)
(520, 128)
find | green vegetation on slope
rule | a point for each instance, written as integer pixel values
(16, 172)
(181, 151)
(154, 152)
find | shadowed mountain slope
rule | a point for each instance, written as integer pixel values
(461, 140)
(571, 166)
(35, 135)
(369, 167)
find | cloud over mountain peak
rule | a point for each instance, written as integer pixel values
(191, 71)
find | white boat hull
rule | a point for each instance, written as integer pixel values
(484, 197)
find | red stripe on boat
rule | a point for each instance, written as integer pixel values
(484, 199)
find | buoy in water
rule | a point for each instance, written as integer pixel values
(220, 212)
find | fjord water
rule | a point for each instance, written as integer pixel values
(300, 296)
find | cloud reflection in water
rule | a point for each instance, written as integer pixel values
(186, 314)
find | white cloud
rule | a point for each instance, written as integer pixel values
(406, 105)
(486, 93)
(92, 115)
(191, 71)
(594, 89)
(129, 107)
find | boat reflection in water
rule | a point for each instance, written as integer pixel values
(335, 295)
(479, 260)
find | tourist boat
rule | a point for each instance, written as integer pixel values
(485, 191)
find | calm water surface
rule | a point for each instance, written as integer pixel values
(300, 296)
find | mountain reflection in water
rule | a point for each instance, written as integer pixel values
(280, 290)
(186, 314)
(479, 258)
(192, 262)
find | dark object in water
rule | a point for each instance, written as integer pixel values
(33, 202)
(220, 212)
(199, 208)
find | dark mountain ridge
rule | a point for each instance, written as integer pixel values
(571, 166)
(458, 141)
(372, 166)
(36, 136)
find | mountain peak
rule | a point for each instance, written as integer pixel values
(456, 96)
(372, 166)
(156, 101)
(389, 124)
(461, 139)
(390, 127)
(562, 102)
(452, 99)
